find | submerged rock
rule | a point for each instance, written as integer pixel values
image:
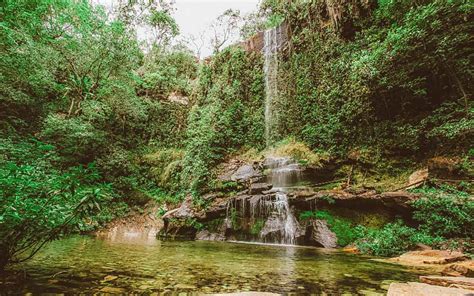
(320, 234)
(420, 289)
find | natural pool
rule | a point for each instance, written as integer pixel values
(87, 264)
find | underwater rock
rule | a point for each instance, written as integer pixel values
(321, 235)
(420, 289)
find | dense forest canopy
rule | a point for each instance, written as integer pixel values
(94, 121)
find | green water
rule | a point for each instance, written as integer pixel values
(86, 264)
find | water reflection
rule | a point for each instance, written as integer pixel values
(84, 264)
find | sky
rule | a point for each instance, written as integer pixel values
(195, 16)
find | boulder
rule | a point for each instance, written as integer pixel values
(177, 222)
(319, 234)
(258, 188)
(449, 281)
(465, 268)
(421, 289)
(245, 173)
(417, 178)
(210, 236)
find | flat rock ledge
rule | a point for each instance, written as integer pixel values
(421, 289)
(450, 281)
(429, 257)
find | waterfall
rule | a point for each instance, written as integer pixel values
(273, 208)
(273, 40)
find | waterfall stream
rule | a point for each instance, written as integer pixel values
(273, 41)
(270, 212)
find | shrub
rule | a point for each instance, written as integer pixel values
(346, 233)
(40, 203)
(393, 239)
(445, 212)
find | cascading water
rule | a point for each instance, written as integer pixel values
(272, 208)
(280, 225)
(273, 40)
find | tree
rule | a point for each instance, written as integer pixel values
(224, 28)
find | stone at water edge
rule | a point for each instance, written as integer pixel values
(465, 268)
(258, 188)
(322, 235)
(420, 289)
(449, 281)
(429, 257)
(244, 173)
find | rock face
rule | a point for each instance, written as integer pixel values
(258, 188)
(320, 235)
(420, 289)
(178, 223)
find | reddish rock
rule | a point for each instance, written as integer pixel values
(465, 268)
(449, 281)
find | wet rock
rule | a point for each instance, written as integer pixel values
(245, 173)
(109, 278)
(177, 222)
(258, 188)
(449, 281)
(465, 268)
(210, 236)
(421, 289)
(320, 234)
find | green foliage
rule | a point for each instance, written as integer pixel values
(257, 226)
(228, 113)
(40, 203)
(346, 233)
(401, 83)
(393, 239)
(445, 212)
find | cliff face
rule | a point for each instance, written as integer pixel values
(342, 14)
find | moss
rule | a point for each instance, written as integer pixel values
(300, 152)
(257, 226)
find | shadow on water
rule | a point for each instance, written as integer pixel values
(86, 264)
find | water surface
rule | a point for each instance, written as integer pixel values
(87, 264)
